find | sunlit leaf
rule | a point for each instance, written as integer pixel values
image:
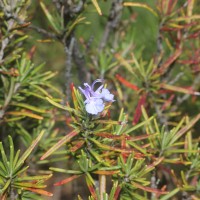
(39, 191)
(180, 89)
(141, 5)
(24, 113)
(170, 194)
(105, 172)
(96, 5)
(30, 178)
(61, 142)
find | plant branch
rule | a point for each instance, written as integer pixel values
(43, 32)
(180, 100)
(159, 53)
(79, 60)
(113, 22)
(68, 65)
(153, 184)
(102, 185)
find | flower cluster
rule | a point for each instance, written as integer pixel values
(94, 102)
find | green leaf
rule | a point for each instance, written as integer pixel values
(90, 184)
(4, 158)
(3, 170)
(20, 171)
(111, 148)
(51, 19)
(20, 39)
(36, 69)
(29, 150)
(137, 196)
(147, 120)
(150, 167)
(170, 194)
(61, 106)
(7, 184)
(185, 128)
(11, 152)
(61, 142)
(133, 144)
(30, 107)
(27, 139)
(37, 178)
(114, 191)
(16, 158)
(13, 119)
(65, 170)
(96, 156)
(77, 21)
(43, 91)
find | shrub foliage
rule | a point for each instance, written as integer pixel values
(141, 144)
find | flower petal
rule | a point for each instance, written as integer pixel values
(85, 92)
(94, 106)
(96, 81)
(106, 95)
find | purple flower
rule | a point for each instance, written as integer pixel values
(106, 95)
(94, 106)
(94, 102)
